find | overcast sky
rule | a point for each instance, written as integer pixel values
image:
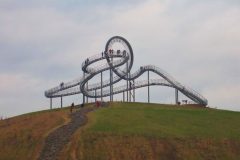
(43, 43)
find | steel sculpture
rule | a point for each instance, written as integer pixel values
(120, 63)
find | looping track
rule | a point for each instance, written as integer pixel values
(120, 62)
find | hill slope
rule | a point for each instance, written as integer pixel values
(129, 131)
(153, 131)
(22, 137)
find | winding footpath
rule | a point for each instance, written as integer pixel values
(57, 139)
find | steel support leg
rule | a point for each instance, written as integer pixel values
(176, 96)
(148, 89)
(123, 96)
(61, 102)
(95, 95)
(133, 91)
(112, 81)
(83, 99)
(87, 89)
(80, 88)
(111, 86)
(127, 90)
(127, 80)
(130, 86)
(110, 91)
(101, 87)
(50, 103)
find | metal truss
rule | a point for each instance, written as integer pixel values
(120, 63)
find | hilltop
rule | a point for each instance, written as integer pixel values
(128, 131)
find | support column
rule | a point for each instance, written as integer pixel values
(50, 103)
(148, 89)
(133, 90)
(127, 80)
(95, 95)
(176, 96)
(87, 89)
(84, 88)
(61, 102)
(130, 88)
(127, 91)
(110, 90)
(101, 88)
(123, 96)
(112, 81)
(83, 99)
(111, 86)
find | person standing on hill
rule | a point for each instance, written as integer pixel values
(71, 108)
(97, 103)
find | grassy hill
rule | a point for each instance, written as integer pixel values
(22, 137)
(133, 131)
(138, 131)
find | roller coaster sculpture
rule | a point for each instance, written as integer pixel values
(119, 62)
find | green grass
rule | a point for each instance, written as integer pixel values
(134, 131)
(166, 121)
(138, 131)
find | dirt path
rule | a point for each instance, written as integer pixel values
(56, 140)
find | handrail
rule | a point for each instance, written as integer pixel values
(79, 85)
